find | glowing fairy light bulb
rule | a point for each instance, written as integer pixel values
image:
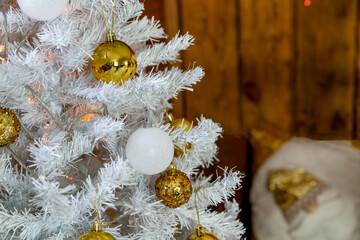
(307, 3)
(31, 100)
(88, 117)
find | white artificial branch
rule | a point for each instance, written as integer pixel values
(164, 53)
(54, 62)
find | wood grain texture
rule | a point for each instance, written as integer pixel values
(326, 68)
(167, 11)
(155, 8)
(172, 27)
(274, 69)
(214, 27)
(356, 116)
(267, 62)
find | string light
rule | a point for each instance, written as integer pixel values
(69, 178)
(307, 3)
(31, 100)
(45, 137)
(2, 49)
(88, 117)
(73, 179)
(67, 9)
(51, 57)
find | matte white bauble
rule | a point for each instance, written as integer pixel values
(42, 9)
(149, 150)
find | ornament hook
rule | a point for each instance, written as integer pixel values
(169, 117)
(110, 31)
(97, 225)
(199, 229)
(110, 36)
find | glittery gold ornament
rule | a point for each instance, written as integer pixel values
(173, 187)
(200, 234)
(179, 123)
(9, 127)
(113, 61)
(97, 233)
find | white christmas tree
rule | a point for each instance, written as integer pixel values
(72, 150)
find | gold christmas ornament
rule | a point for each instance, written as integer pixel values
(173, 187)
(97, 233)
(178, 151)
(113, 61)
(9, 127)
(179, 123)
(200, 234)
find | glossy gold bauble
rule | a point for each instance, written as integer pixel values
(201, 234)
(181, 123)
(174, 188)
(186, 126)
(178, 122)
(97, 233)
(97, 236)
(9, 127)
(113, 61)
(178, 151)
(207, 236)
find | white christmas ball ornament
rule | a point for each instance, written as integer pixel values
(149, 150)
(42, 9)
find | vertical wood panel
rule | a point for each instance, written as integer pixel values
(172, 11)
(267, 62)
(155, 8)
(326, 68)
(167, 11)
(172, 27)
(356, 121)
(213, 25)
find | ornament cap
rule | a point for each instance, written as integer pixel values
(172, 166)
(169, 117)
(199, 231)
(96, 226)
(110, 36)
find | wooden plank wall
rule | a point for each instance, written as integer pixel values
(326, 65)
(217, 96)
(274, 69)
(299, 69)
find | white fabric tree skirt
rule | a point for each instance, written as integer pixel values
(337, 163)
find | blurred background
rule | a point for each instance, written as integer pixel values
(274, 69)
